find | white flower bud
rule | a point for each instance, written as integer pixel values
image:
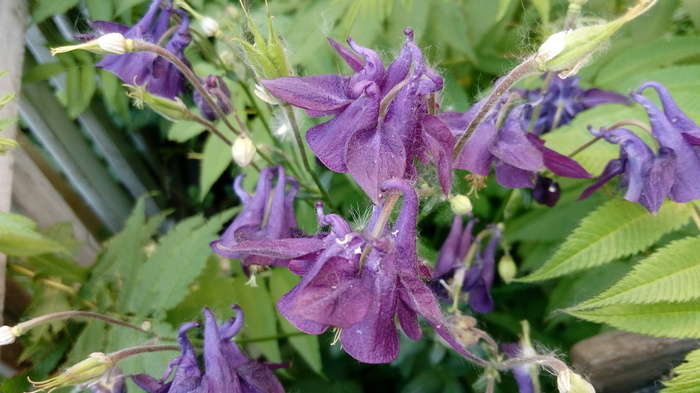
(461, 204)
(210, 27)
(9, 334)
(108, 44)
(113, 43)
(243, 151)
(507, 269)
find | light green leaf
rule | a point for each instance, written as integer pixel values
(670, 275)
(687, 377)
(18, 237)
(46, 8)
(503, 6)
(177, 260)
(615, 230)
(281, 282)
(100, 9)
(125, 5)
(5, 99)
(659, 319)
(646, 56)
(216, 157)
(260, 316)
(542, 7)
(184, 130)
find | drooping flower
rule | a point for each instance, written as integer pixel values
(216, 87)
(362, 296)
(463, 267)
(562, 101)
(516, 154)
(650, 177)
(265, 232)
(381, 120)
(145, 68)
(226, 367)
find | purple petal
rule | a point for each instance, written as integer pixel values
(612, 169)
(374, 156)
(559, 163)
(513, 177)
(440, 143)
(354, 61)
(660, 181)
(323, 94)
(329, 140)
(594, 97)
(476, 156)
(513, 146)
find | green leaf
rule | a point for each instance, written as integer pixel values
(100, 9)
(658, 319)
(46, 8)
(281, 282)
(615, 230)
(670, 275)
(644, 57)
(542, 7)
(18, 237)
(687, 377)
(503, 6)
(176, 261)
(125, 5)
(5, 99)
(260, 316)
(216, 157)
(184, 130)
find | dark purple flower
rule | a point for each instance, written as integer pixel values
(265, 232)
(562, 101)
(362, 298)
(467, 270)
(216, 87)
(145, 68)
(650, 177)
(515, 153)
(546, 191)
(227, 368)
(381, 120)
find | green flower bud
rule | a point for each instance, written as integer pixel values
(568, 51)
(460, 204)
(507, 269)
(173, 110)
(266, 57)
(88, 371)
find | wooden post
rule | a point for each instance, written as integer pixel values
(13, 20)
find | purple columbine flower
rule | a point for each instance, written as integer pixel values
(562, 101)
(521, 372)
(265, 232)
(363, 298)
(216, 87)
(381, 120)
(474, 276)
(227, 368)
(145, 68)
(650, 177)
(516, 154)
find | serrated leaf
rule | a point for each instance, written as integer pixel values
(260, 316)
(5, 99)
(669, 275)
(645, 57)
(306, 345)
(125, 252)
(216, 157)
(182, 131)
(687, 377)
(45, 8)
(616, 230)
(18, 237)
(177, 260)
(659, 319)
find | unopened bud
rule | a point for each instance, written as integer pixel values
(570, 382)
(507, 269)
(243, 151)
(173, 110)
(460, 204)
(88, 371)
(108, 44)
(210, 27)
(8, 334)
(569, 50)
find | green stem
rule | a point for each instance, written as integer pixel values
(289, 112)
(124, 353)
(524, 69)
(27, 325)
